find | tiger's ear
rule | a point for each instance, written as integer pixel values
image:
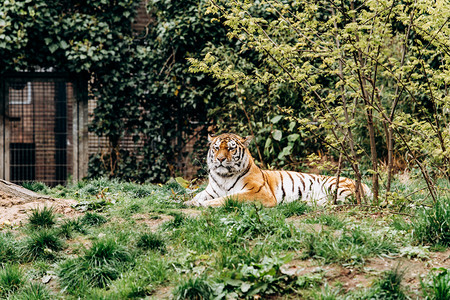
(210, 138)
(247, 140)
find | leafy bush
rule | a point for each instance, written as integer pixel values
(35, 186)
(432, 225)
(263, 278)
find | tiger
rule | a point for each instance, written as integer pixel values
(234, 174)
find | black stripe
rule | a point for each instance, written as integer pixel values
(215, 181)
(215, 192)
(260, 188)
(240, 176)
(245, 185)
(209, 194)
(300, 195)
(342, 190)
(282, 187)
(292, 179)
(301, 180)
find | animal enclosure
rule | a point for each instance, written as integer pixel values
(43, 128)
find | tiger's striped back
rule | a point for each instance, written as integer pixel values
(233, 173)
(291, 186)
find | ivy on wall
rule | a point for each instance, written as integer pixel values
(142, 84)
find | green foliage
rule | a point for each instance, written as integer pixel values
(8, 248)
(358, 75)
(43, 243)
(193, 289)
(347, 247)
(34, 291)
(42, 218)
(263, 278)
(431, 225)
(388, 286)
(294, 208)
(67, 227)
(100, 264)
(151, 241)
(438, 286)
(12, 278)
(35, 186)
(92, 219)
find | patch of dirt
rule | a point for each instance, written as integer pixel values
(363, 277)
(16, 203)
(153, 222)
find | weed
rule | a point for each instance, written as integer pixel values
(8, 252)
(332, 221)
(231, 205)
(93, 219)
(34, 291)
(141, 281)
(151, 241)
(69, 226)
(252, 222)
(390, 284)
(178, 220)
(42, 244)
(35, 186)
(399, 223)
(100, 264)
(438, 287)
(42, 218)
(294, 208)
(350, 247)
(193, 288)
(432, 225)
(260, 278)
(11, 279)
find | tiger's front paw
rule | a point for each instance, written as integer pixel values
(192, 203)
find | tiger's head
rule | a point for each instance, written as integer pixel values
(228, 154)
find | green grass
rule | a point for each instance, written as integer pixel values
(437, 287)
(193, 289)
(432, 225)
(92, 219)
(12, 278)
(42, 218)
(8, 248)
(349, 247)
(34, 291)
(151, 241)
(100, 264)
(42, 244)
(133, 241)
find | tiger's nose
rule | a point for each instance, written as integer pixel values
(221, 159)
